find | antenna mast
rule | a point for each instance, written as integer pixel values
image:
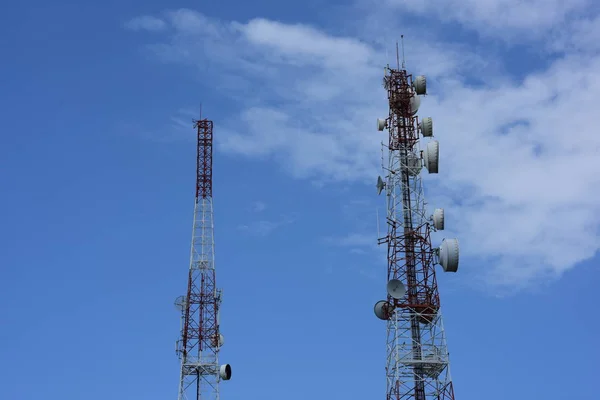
(198, 348)
(417, 355)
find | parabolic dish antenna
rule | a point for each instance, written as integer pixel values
(431, 156)
(383, 310)
(381, 124)
(221, 340)
(225, 372)
(448, 255)
(396, 289)
(438, 219)
(415, 103)
(180, 303)
(380, 185)
(427, 127)
(420, 84)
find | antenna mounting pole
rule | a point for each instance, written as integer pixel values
(403, 59)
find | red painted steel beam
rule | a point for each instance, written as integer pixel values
(204, 162)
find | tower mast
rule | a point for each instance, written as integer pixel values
(198, 347)
(417, 356)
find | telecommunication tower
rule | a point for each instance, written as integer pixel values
(198, 347)
(417, 356)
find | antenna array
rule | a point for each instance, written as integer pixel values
(417, 355)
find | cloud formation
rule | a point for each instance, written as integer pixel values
(509, 19)
(518, 173)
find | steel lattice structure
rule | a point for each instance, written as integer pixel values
(417, 357)
(198, 348)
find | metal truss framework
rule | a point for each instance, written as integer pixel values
(417, 356)
(198, 348)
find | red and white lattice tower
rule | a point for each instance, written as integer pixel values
(417, 355)
(198, 347)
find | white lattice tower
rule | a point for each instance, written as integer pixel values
(201, 340)
(417, 364)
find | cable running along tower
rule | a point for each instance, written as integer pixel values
(417, 356)
(198, 347)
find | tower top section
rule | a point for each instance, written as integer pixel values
(204, 160)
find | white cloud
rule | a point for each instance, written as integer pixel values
(523, 19)
(518, 172)
(537, 214)
(305, 45)
(146, 23)
(584, 35)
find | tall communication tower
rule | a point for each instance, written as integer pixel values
(198, 347)
(417, 356)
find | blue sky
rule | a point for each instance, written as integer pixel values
(97, 154)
